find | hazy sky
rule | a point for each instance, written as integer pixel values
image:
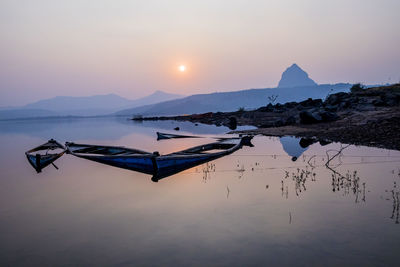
(131, 48)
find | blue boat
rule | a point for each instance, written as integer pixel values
(44, 155)
(160, 166)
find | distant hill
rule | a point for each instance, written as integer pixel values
(231, 101)
(294, 76)
(82, 106)
(156, 97)
(96, 105)
(66, 103)
(25, 113)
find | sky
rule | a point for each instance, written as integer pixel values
(132, 48)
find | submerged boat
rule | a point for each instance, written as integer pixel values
(160, 166)
(161, 136)
(41, 160)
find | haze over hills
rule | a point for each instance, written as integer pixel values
(82, 106)
(232, 101)
(295, 85)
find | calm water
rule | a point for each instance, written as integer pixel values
(258, 206)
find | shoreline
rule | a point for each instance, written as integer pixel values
(368, 117)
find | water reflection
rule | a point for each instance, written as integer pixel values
(295, 146)
(112, 128)
(291, 145)
(235, 203)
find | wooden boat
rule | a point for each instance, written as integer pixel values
(42, 160)
(160, 166)
(122, 157)
(162, 136)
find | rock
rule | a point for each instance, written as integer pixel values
(289, 105)
(311, 103)
(294, 76)
(268, 108)
(266, 125)
(365, 107)
(290, 120)
(232, 124)
(391, 99)
(328, 116)
(335, 99)
(331, 108)
(344, 105)
(379, 103)
(279, 123)
(308, 117)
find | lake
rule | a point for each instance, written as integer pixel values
(277, 203)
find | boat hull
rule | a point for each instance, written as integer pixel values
(152, 163)
(40, 161)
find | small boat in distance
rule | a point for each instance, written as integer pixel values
(160, 166)
(162, 136)
(41, 160)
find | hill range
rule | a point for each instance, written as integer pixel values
(295, 85)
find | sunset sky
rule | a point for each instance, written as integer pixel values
(132, 48)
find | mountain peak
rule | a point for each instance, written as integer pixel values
(159, 92)
(294, 76)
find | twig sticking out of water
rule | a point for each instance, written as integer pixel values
(396, 203)
(207, 169)
(241, 171)
(309, 163)
(300, 178)
(339, 153)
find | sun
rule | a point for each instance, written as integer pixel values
(182, 68)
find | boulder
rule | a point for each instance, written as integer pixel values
(290, 120)
(328, 116)
(232, 124)
(379, 103)
(266, 125)
(307, 117)
(365, 107)
(311, 103)
(279, 123)
(391, 99)
(331, 108)
(335, 99)
(268, 108)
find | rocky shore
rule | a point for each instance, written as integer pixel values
(368, 117)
